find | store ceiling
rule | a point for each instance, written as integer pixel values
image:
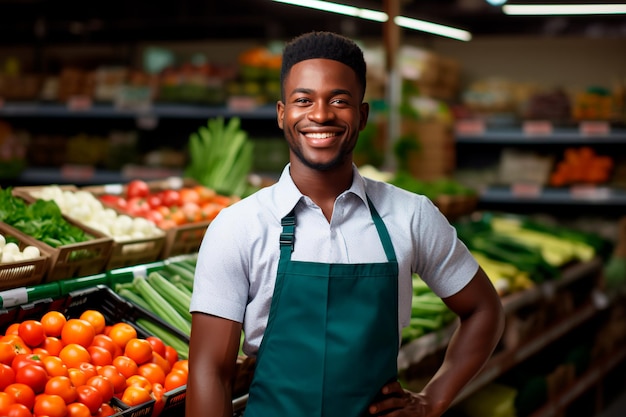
(27, 21)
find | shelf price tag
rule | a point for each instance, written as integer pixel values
(79, 103)
(589, 192)
(537, 127)
(526, 190)
(470, 127)
(594, 128)
(77, 173)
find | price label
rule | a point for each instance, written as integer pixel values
(77, 172)
(595, 128)
(470, 127)
(537, 127)
(526, 190)
(589, 192)
(242, 103)
(113, 188)
(79, 103)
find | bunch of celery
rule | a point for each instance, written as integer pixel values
(220, 156)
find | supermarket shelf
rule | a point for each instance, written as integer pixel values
(557, 136)
(505, 360)
(109, 111)
(594, 375)
(88, 176)
(529, 194)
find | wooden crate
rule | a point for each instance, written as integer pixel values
(22, 273)
(123, 253)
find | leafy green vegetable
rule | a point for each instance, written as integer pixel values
(41, 220)
(220, 156)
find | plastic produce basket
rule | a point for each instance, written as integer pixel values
(126, 253)
(21, 273)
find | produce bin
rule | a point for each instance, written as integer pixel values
(123, 253)
(21, 273)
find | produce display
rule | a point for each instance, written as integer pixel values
(62, 366)
(10, 251)
(167, 208)
(86, 208)
(582, 166)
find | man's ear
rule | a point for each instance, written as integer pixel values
(364, 110)
(280, 113)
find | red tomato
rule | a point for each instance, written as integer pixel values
(171, 198)
(106, 410)
(157, 345)
(154, 216)
(22, 393)
(137, 206)
(34, 376)
(32, 332)
(90, 396)
(137, 188)
(50, 405)
(18, 410)
(104, 385)
(5, 401)
(111, 373)
(23, 359)
(111, 199)
(63, 387)
(171, 355)
(189, 195)
(175, 379)
(154, 200)
(7, 353)
(78, 410)
(106, 342)
(7, 376)
(100, 356)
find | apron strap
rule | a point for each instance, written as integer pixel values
(382, 232)
(287, 235)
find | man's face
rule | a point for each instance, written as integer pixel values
(322, 113)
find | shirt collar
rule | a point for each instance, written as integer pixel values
(290, 195)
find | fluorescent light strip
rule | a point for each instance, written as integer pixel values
(378, 16)
(339, 9)
(563, 9)
(434, 28)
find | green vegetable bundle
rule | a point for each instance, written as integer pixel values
(220, 157)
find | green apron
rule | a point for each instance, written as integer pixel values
(331, 341)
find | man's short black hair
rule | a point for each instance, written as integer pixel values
(326, 45)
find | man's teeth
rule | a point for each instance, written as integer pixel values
(320, 135)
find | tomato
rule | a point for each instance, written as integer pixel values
(171, 355)
(139, 350)
(78, 331)
(77, 376)
(161, 361)
(7, 353)
(63, 387)
(104, 341)
(159, 403)
(171, 198)
(12, 329)
(16, 342)
(111, 373)
(181, 364)
(166, 224)
(5, 401)
(90, 396)
(25, 359)
(73, 355)
(7, 376)
(32, 332)
(192, 212)
(158, 345)
(137, 188)
(135, 395)
(137, 206)
(106, 410)
(121, 333)
(50, 405)
(54, 366)
(96, 319)
(18, 410)
(189, 195)
(154, 200)
(22, 393)
(125, 366)
(175, 379)
(104, 385)
(53, 322)
(154, 216)
(139, 381)
(152, 372)
(205, 194)
(34, 376)
(177, 215)
(113, 200)
(78, 410)
(99, 355)
(52, 345)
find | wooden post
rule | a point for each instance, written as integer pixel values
(391, 33)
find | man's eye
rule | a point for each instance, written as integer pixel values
(302, 100)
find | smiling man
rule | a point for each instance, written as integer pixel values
(316, 269)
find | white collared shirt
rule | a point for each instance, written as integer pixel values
(238, 258)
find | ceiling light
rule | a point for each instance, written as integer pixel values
(563, 9)
(379, 16)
